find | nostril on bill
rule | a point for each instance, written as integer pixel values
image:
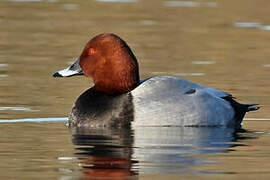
(56, 74)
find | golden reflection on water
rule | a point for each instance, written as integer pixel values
(198, 41)
(47, 35)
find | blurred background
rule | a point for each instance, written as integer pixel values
(222, 44)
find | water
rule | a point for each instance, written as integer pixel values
(221, 44)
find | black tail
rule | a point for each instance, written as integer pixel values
(240, 109)
(251, 107)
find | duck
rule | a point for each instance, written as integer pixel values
(120, 99)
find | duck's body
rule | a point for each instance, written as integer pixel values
(120, 99)
(171, 101)
(159, 101)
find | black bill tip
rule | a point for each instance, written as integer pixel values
(56, 74)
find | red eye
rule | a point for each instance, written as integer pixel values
(91, 51)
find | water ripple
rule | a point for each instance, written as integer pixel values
(3, 65)
(252, 25)
(247, 24)
(148, 22)
(24, 0)
(65, 119)
(189, 4)
(257, 119)
(3, 75)
(51, 119)
(121, 1)
(70, 6)
(11, 108)
(203, 62)
(265, 28)
(52, 1)
(266, 65)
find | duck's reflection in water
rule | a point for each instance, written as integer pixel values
(121, 153)
(105, 153)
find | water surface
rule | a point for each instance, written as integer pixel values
(222, 44)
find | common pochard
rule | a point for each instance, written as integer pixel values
(119, 98)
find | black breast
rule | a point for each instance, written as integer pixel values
(96, 109)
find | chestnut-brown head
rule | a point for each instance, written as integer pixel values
(109, 61)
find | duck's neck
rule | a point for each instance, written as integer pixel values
(119, 88)
(120, 84)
